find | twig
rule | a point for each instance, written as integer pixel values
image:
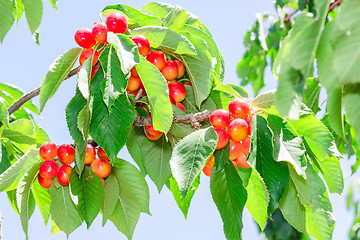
(138, 96)
(289, 16)
(334, 4)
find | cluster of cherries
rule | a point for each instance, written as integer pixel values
(65, 153)
(236, 125)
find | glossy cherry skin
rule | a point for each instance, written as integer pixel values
(207, 170)
(153, 137)
(45, 182)
(235, 150)
(101, 167)
(48, 169)
(48, 151)
(220, 118)
(223, 138)
(86, 53)
(116, 22)
(134, 72)
(90, 154)
(248, 121)
(99, 32)
(150, 129)
(188, 84)
(133, 84)
(177, 91)
(170, 70)
(143, 44)
(241, 161)
(63, 174)
(84, 38)
(94, 70)
(102, 154)
(181, 69)
(211, 161)
(181, 106)
(239, 108)
(245, 145)
(157, 58)
(66, 153)
(235, 164)
(238, 129)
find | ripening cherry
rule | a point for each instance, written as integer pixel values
(150, 129)
(188, 84)
(245, 146)
(220, 118)
(181, 106)
(86, 53)
(133, 84)
(211, 161)
(45, 182)
(238, 129)
(48, 150)
(235, 150)
(170, 70)
(223, 138)
(94, 70)
(90, 154)
(48, 169)
(99, 32)
(248, 121)
(66, 153)
(143, 44)
(153, 137)
(207, 170)
(157, 58)
(235, 164)
(134, 72)
(116, 22)
(63, 174)
(177, 91)
(102, 182)
(181, 69)
(102, 154)
(101, 167)
(84, 38)
(241, 161)
(239, 108)
(134, 93)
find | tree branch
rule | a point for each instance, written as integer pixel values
(289, 16)
(334, 4)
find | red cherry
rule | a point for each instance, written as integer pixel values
(134, 72)
(241, 161)
(188, 84)
(66, 153)
(150, 129)
(86, 53)
(238, 129)
(172, 100)
(157, 58)
(153, 137)
(235, 150)
(223, 138)
(245, 146)
(220, 118)
(239, 108)
(84, 38)
(181, 69)
(235, 164)
(116, 22)
(101, 167)
(99, 32)
(133, 84)
(94, 70)
(102, 154)
(179, 105)
(45, 182)
(143, 44)
(177, 91)
(63, 174)
(211, 161)
(48, 169)
(90, 154)
(48, 150)
(207, 170)
(248, 121)
(170, 70)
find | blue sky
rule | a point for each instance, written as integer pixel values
(25, 64)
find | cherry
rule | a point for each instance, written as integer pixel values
(235, 150)
(134, 72)
(223, 138)
(48, 150)
(239, 108)
(211, 161)
(238, 129)
(102, 182)
(94, 70)
(102, 154)
(90, 154)
(177, 91)
(245, 146)
(181, 69)
(150, 129)
(86, 53)
(116, 22)
(101, 167)
(99, 32)
(48, 169)
(172, 100)
(235, 164)
(209, 166)
(133, 84)
(170, 70)
(188, 84)
(153, 137)
(179, 105)
(248, 121)
(241, 161)
(84, 38)
(220, 118)
(134, 93)
(63, 174)
(143, 44)
(66, 153)
(157, 58)
(45, 182)
(207, 170)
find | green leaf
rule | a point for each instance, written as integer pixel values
(230, 90)
(84, 77)
(114, 83)
(134, 146)
(158, 9)
(24, 195)
(41, 136)
(302, 185)
(175, 19)
(11, 177)
(42, 200)
(190, 156)
(334, 106)
(264, 100)
(221, 157)
(111, 197)
(136, 182)
(7, 14)
(126, 49)
(54, 227)
(88, 191)
(4, 114)
(33, 12)
(127, 211)
(221, 99)
(229, 196)
(58, 71)
(312, 93)
(183, 204)
(19, 10)
(351, 110)
(158, 95)
(4, 159)
(166, 39)
(275, 174)
(53, 3)
(63, 210)
(21, 134)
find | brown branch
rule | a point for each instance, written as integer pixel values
(334, 4)
(289, 16)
